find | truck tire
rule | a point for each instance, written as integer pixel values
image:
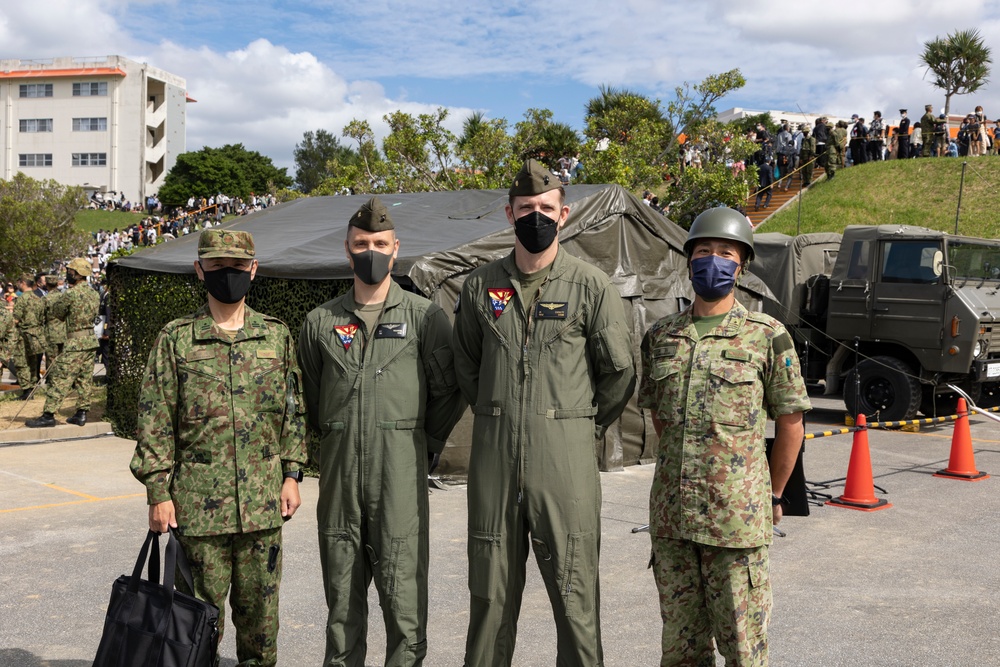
(889, 391)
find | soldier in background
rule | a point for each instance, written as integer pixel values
(29, 314)
(903, 136)
(221, 443)
(941, 137)
(55, 329)
(377, 361)
(8, 334)
(711, 376)
(927, 123)
(806, 155)
(74, 367)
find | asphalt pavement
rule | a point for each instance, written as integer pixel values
(915, 584)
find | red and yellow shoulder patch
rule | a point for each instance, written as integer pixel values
(346, 334)
(499, 298)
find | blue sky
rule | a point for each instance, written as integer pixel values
(265, 72)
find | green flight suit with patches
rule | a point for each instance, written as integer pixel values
(221, 419)
(542, 381)
(711, 490)
(76, 310)
(381, 401)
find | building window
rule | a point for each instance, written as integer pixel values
(90, 124)
(90, 89)
(90, 159)
(35, 125)
(34, 160)
(35, 90)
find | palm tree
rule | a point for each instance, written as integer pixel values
(960, 63)
(472, 125)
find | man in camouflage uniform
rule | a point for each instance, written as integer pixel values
(543, 354)
(73, 369)
(836, 148)
(380, 387)
(927, 123)
(712, 374)
(221, 443)
(29, 314)
(8, 332)
(807, 154)
(55, 329)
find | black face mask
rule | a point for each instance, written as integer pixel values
(227, 285)
(535, 231)
(371, 266)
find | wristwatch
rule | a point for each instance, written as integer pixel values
(295, 474)
(775, 500)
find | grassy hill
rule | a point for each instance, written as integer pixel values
(922, 192)
(91, 221)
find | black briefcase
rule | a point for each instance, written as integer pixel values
(150, 624)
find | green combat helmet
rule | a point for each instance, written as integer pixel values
(720, 223)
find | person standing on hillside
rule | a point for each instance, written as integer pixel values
(903, 136)
(806, 154)
(836, 148)
(927, 123)
(876, 138)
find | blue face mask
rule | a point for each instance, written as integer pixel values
(713, 277)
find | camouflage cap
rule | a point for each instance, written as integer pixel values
(225, 243)
(81, 266)
(533, 179)
(373, 216)
(51, 281)
(27, 279)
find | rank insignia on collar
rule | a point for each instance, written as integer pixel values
(346, 334)
(499, 298)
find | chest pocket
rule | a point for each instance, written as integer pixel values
(735, 395)
(666, 371)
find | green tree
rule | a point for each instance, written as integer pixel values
(232, 170)
(694, 105)
(37, 224)
(485, 151)
(312, 155)
(959, 63)
(627, 135)
(534, 136)
(419, 152)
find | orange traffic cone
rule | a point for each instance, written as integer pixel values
(962, 462)
(859, 488)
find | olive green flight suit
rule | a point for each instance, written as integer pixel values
(382, 401)
(541, 386)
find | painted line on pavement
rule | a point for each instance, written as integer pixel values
(91, 499)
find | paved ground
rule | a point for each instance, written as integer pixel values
(912, 585)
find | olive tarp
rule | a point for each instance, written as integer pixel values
(443, 236)
(786, 263)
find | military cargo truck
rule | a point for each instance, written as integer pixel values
(889, 314)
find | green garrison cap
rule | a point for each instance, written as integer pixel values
(225, 243)
(373, 216)
(81, 266)
(533, 179)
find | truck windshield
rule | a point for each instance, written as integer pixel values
(973, 261)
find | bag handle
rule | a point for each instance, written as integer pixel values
(177, 561)
(154, 539)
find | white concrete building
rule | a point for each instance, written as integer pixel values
(108, 124)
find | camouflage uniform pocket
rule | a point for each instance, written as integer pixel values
(759, 596)
(485, 552)
(734, 393)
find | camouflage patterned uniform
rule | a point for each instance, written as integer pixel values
(710, 510)
(7, 336)
(55, 329)
(220, 422)
(29, 313)
(76, 309)
(381, 400)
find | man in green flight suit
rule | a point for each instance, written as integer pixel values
(543, 354)
(29, 318)
(380, 388)
(927, 123)
(73, 369)
(221, 443)
(711, 377)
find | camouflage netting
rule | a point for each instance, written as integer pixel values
(143, 302)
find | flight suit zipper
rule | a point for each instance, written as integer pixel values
(525, 390)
